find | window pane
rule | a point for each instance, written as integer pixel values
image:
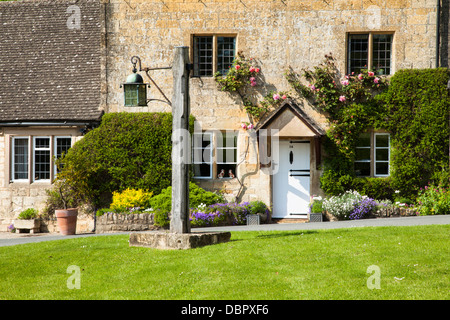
(358, 52)
(41, 158)
(62, 146)
(142, 95)
(201, 151)
(225, 53)
(226, 155)
(202, 170)
(362, 168)
(228, 140)
(42, 143)
(382, 154)
(382, 140)
(362, 154)
(131, 94)
(382, 44)
(364, 140)
(382, 168)
(226, 170)
(20, 158)
(203, 56)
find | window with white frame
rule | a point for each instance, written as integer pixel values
(221, 163)
(381, 154)
(41, 158)
(213, 53)
(202, 155)
(226, 154)
(32, 158)
(372, 155)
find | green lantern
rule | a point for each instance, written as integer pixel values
(135, 90)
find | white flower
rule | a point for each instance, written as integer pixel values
(397, 191)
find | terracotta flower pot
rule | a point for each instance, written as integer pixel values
(67, 220)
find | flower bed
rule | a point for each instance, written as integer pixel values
(353, 206)
(218, 214)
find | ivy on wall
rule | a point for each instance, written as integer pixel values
(413, 105)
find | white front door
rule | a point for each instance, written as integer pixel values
(291, 181)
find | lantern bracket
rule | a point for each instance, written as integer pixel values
(136, 60)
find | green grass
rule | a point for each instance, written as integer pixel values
(325, 264)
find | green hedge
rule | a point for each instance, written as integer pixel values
(418, 118)
(127, 150)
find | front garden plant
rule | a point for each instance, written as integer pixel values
(207, 208)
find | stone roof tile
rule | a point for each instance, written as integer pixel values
(49, 72)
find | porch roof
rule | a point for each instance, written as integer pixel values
(291, 120)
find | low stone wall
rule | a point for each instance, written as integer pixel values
(112, 222)
(395, 212)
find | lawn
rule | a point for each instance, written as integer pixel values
(323, 264)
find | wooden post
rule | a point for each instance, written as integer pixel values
(180, 142)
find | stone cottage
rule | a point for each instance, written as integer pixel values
(50, 93)
(90, 61)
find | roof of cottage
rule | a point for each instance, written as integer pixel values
(289, 104)
(49, 71)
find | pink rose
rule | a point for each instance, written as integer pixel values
(250, 126)
(276, 96)
(360, 76)
(256, 70)
(345, 83)
(252, 79)
(253, 83)
(313, 87)
(376, 80)
(244, 126)
(371, 74)
(342, 98)
(284, 97)
(237, 67)
(252, 69)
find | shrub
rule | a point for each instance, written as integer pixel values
(130, 198)
(417, 104)
(258, 207)
(161, 218)
(26, 214)
(127, 150)
(197, 196)
(317, 206)
(434, 200)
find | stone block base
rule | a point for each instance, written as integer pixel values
(170, 240)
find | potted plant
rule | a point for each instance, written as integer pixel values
(260, 209)
(315, 212)
(66, 217)
(28, 219)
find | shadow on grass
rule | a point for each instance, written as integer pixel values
(279, 234)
